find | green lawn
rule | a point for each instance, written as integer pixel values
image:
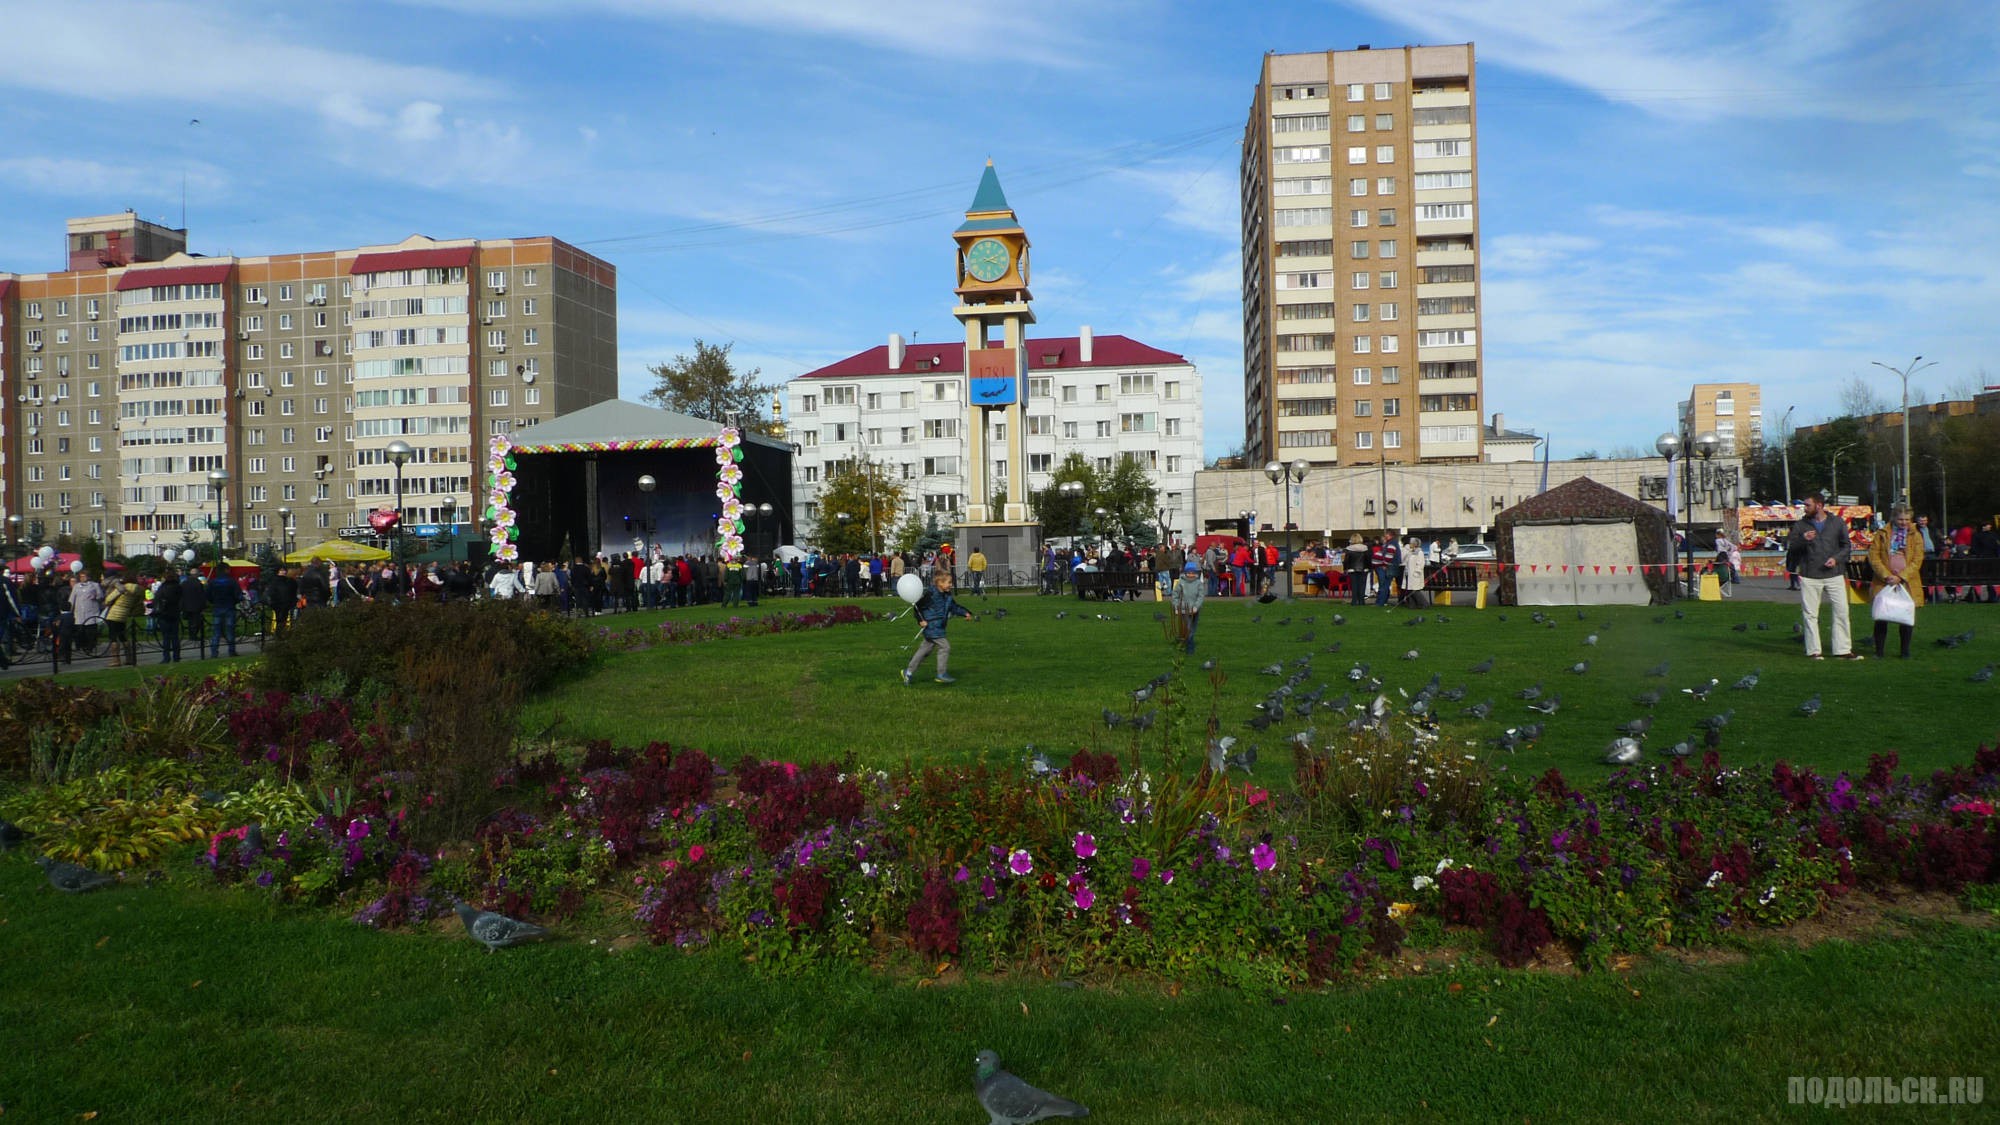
(177, 1004)
(1034, 678)
(181, 1002)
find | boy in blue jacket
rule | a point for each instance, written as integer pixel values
(935, 609)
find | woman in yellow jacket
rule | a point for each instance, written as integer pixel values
(1897, 558)
(121, 603)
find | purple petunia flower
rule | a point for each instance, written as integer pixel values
(1263, 857)
(961, 875)
(1084, 897)
(1222, 852)
(1141, 867)
(987, 889)
(264, 879)
(1020, 862)
(1086, 845)
(1167, 875)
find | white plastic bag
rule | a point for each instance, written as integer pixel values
(1893, 604)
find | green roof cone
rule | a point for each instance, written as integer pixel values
(989, 197)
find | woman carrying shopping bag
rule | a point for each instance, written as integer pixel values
(1897, 558)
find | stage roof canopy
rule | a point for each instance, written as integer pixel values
(616, 425)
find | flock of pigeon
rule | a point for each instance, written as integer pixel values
(1302, 701)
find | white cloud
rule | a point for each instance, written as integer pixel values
(62, 176)
(1034, 31)
(1692, 61)
(199, 54)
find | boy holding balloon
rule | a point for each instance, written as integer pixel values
(935, 608)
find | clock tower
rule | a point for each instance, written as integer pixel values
(993, 305)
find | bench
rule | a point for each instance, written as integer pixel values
(1944, 579)
(1105, 584)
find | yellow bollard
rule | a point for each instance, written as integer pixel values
(1479, 600)
(1443, 597)
(1855, 596)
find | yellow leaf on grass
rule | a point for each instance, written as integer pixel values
(1494, 1020)
(101, 941)
(1024, 1007)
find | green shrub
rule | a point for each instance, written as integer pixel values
(38, 708)
(366, 644)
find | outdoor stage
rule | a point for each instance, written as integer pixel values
(575, 485)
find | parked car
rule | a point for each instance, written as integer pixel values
(1475, 553)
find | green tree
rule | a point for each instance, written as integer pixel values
(1129, 494)
(1061, 513)
(852, 491)
(707, 385)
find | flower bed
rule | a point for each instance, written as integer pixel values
(1108, 865)
(370, 805)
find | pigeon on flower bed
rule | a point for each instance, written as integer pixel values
(71, 879)
(497, 931)
(1623, 752)
(1009, 1101)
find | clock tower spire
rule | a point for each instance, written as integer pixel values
(993, 306)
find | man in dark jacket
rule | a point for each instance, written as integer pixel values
(282, 595)
(194, 608)
(315, 586)
(167, 615)
(224, 595)
(1819, 550)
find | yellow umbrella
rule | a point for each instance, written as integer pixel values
(338, 550)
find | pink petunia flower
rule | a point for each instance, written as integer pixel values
(1141, 867)
(1020, 862)
(1086, 845)
(1263, 856)
(695, 853)
(1084, 897)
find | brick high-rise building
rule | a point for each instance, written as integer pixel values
(132, 376)
(1361, 258)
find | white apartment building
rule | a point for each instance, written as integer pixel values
(904, 406)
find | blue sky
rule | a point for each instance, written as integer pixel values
(1672, 191)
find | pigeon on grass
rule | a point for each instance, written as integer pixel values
(497, 931)
(1010, 1101)
(71, 879)
(10, 835)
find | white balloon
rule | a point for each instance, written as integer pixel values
(46, 553)
(38, 562)
(76, 566)
(187, 555)
(910, 588)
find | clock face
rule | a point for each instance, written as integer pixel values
(986, 259)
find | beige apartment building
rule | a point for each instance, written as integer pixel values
(1360, 199)
(140, 371)
(1735, 411)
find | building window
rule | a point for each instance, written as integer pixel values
(1358, 186)
(1392, 374)
(1385, 154)
(1363, 376)
(1387, 280)
(531, 335)
(1392, 407)
(500, 396)
(1385, 185)
(1357, 122)
(1386, 217)
(1385, 121)
(1392, 439)
(1104, 429)
(1360, 313)
(1357, 92)
(1069, 431)
(1389, 309)
(1137, 423)
(1364, 344)
(1357, 154)
(1364, 440)
(1381, 91)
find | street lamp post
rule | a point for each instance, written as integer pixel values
(1785, 450)
(1072, 490)
(646, 487)
(1704, 446)
(450, 506)
(1099, 518)
(217, 478)
(1285, 476)
(1904, 374)
(1833, 471)
(399, 451)
(285, 530)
